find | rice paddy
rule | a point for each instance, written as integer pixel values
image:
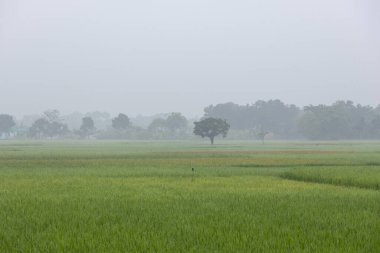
(110, 196)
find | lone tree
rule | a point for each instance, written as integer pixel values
(87, 127)
(121, 122)
(211, 127)
(6, 123)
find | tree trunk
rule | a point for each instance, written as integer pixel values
(212, 140)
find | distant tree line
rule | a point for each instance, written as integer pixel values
(271, 116)
(260, 120)
(341, 120)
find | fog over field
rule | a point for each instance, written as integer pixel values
(148, 57)
(190, 126)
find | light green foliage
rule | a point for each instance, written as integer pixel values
(359, 176)
(92, 196)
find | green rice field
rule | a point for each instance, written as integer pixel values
(125, 196)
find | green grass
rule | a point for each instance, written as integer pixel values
(100, 196)
(357, 176)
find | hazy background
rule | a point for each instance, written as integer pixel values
(146, 57)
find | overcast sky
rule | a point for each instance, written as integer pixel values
(150, 56)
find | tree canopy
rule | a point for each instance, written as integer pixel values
(121, 122)
(341, 120)
(176, 122)
(173, 126)
(6, 123)
(87, 127)
(272, 115)
(49, 125)
(211, 127)
(261, 120)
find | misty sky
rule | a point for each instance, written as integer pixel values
(150, 56)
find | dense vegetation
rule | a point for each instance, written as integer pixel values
(92, 196)
(273, 119)
(341, 120)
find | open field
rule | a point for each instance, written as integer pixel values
(99, 196)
